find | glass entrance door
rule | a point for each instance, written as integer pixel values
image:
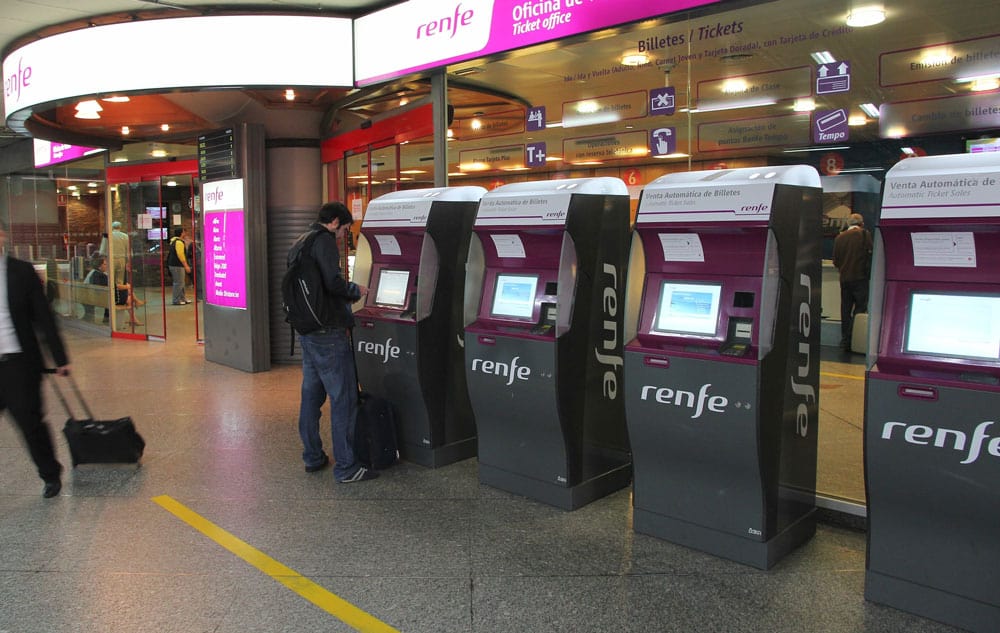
(145, 214)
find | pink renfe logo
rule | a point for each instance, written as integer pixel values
(447, 24)
(20, 78)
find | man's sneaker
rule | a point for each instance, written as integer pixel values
(361, 474)
(320, 466)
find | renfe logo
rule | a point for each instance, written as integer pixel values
(386, 350)
(613, 362)
(20, 78)
(678, 398)
(509, 370)
(921, 435)
(447, 24)
(806, 391)
(214, 196)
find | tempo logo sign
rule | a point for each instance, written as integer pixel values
(679, 398)
(922, 435)
(385, 350)
(509, 370)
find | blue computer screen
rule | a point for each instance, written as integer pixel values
(514, 296)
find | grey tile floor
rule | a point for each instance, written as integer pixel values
(419, 550)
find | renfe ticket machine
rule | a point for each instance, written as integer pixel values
(722, 360)
(932, 435)
(543, 343)
(408, 335)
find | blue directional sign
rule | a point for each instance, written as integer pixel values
(536, 119)
(661, 100)
(830, 126)
(534, 155)
(663, 141)
(833, 77)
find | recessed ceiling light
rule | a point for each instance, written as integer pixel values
(165, 127)
(289, 95)
(116, 99)
(635, 58)
(125, 130)
(866, 15)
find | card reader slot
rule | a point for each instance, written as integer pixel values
(917, 393)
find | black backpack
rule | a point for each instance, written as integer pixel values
(303, 296)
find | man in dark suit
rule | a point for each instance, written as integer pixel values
(24, 317)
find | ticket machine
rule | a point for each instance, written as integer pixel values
(932, 436)
(722, 360)
(408, 334)
(543, 339)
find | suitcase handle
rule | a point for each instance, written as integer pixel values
(76, 391)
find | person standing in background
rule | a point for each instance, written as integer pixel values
(178, 264)
(852, 255)
(120, 252)
(24, 316)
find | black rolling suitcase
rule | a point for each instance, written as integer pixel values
(98, 441)
(375, 432)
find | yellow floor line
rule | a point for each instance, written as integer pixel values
(848, 376)
(332, 604)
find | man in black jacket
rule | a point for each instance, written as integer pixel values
(327, 362)
(24, 311)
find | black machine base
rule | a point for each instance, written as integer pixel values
(439, 455)
(932, 603)
(564, 497)
(762, 555)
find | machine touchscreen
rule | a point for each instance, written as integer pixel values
(954, 325)
(514, 296)
(688, 308)
(392, 286)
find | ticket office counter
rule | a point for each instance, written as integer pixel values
(722, 360)
(543, 341)
(408, 340)
(932, 440)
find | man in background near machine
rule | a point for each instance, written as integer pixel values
(852, 255)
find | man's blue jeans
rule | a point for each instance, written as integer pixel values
(328, 370)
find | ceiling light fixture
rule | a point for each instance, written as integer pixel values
(88, 110)
(158, 153)
(126, 130)
(289, 95)
(870, 109)
(165, 127)
(634, 58)
(804, 105)
(866, 14)
(116, 99)
(822, 57)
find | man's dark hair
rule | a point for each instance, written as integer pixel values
(178, 230)
(332, 210)
(98, 260)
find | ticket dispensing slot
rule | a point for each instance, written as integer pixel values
(411, 255)
(723, 287)
(932, 392)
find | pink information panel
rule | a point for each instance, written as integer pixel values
(225, 245)
(225, 248)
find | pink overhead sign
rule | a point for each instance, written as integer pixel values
(435, 33)
(49, 153)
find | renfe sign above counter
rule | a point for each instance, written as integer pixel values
(435, 33)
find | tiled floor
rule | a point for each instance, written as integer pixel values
(420, 550)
